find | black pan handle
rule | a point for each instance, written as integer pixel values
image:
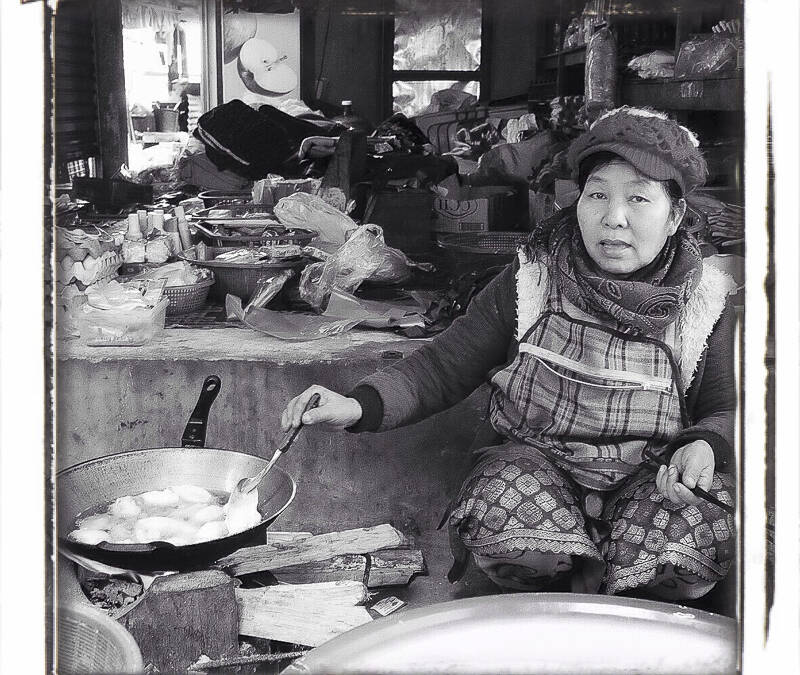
(194, 435)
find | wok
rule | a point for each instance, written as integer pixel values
(85, 487)
(542, 633)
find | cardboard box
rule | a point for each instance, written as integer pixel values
(473, 209)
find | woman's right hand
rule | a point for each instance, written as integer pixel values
(334, 410)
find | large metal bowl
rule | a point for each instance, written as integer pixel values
(84, 487)
(542, 633)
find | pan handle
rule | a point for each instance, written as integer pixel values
(194, 435)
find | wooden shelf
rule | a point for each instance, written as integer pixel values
(576, 56)
(718, 93)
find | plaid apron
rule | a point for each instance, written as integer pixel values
(579, 404)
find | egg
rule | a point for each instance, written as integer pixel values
(87, 536)
(216, 529)
(159, 498)
(207, 514)
(125, 507)
(193, 494)
(98, 522)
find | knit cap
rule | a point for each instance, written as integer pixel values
(657, 146)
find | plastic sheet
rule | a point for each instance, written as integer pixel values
(288, 325)
(267, 288)
(657, 64)
(708, 54)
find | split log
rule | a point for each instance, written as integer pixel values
(182, 616)
(339, 568)
(296, 616)
(395, 567)
(345, 593)
(390, 567)
(311, 549)
(274, 538)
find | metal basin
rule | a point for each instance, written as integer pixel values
(539, 633)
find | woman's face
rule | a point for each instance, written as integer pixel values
(625, 218)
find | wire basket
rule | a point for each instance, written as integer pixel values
(89, 641)
(467, 251)
(189, 298)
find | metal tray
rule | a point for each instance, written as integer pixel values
(238, 217)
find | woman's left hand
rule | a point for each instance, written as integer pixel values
(691, 465)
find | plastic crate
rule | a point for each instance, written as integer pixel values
(468, 251)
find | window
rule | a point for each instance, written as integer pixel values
(437, 54)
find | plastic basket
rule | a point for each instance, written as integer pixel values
(89, 641)
(189, 298)
(466, 251)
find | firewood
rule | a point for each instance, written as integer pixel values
(395, 567)
(346, 593)
(339, 568)
(274, 538)
(390, 567)
(205, 664)
(182, 616)
(289, 619)
(311, 549)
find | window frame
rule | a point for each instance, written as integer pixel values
(482, 75)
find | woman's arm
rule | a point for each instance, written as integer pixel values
(711, 399)
(448, 369)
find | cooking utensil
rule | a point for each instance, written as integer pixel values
(554, 633)
(700, 492)
(247, 485)
(86, 487)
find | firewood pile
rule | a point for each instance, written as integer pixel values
(262, 604)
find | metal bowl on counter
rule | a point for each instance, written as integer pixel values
(527, 633)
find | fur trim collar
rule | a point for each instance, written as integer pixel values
(694, 325)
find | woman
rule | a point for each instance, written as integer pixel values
(608, 337)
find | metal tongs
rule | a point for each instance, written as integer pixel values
(247, 485)
(698, 491)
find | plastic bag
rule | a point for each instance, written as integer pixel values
(601, 73)
(312, 212)
(273, 188)
(704, 55)
(346, 269)
(267, 288)
(659, 63)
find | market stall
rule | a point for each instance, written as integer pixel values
(278, 245)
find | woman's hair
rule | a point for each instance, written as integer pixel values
(600, 159)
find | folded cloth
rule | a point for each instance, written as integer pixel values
(252, 143)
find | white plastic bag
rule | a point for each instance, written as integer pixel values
(313, 213)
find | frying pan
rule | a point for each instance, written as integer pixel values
(85, 487)
(541, 633)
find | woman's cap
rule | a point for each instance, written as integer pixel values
(657, 146)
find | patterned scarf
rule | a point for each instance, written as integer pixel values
(646, 301)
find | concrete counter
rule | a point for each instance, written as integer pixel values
(113, 399)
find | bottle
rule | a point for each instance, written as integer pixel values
(134, 233)
(351, 120)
